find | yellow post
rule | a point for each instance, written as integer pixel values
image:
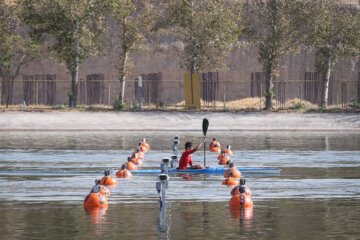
(192, 91)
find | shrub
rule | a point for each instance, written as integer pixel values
(118, 104)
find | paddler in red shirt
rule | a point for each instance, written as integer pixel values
(186, 156)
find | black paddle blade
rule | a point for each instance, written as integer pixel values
(205, 126)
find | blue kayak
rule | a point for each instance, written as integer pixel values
(211, 170)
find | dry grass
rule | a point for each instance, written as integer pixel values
(246, 104)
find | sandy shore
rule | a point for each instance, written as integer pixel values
(171, 121)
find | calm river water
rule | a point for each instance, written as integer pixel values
(44, 177)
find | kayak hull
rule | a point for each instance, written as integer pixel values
(210, 170)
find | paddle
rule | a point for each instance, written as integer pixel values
(205, 126)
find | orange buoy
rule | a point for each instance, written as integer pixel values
(236, 190)
(129, 165)
(94, 200)
(221, 155)
(100, 189)
(145, 145)
(225, 161)
(241, 188)
(124, 174)
(241, 200)
(139, 150)
(215, 146)
(228, 151)
(230, 181)
(140, 155)
(232, 172)
(107, 180)
(137, 161)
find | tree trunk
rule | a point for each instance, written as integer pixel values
(268, 87)
(123, 62)
(74, 78)
(123, 75)
(11, 79)
(326, 79)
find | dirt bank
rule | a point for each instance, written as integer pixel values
(170, 121)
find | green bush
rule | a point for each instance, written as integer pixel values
(355, 103)
(118, 104)
(298, 106)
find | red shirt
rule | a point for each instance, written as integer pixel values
(186, 159)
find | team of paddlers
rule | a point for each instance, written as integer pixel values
(241, 193)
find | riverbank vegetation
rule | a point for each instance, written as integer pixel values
(243, 105)
(202, 33)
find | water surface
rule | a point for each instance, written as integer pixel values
(45, 176)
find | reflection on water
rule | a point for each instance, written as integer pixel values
(44, 178)
(278, 219)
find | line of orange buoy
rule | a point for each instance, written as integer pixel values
(97, 196)
(241, 204)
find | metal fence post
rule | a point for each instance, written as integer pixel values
(37, 93)
(260, 93)
(225, 86)
(109, 92)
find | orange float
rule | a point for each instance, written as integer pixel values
(241, 189)
(215, 146)
(232, 172)
(145, 145)
(124, 174)
(100, 189)
(138, 151)
(107, 180)
(95, 200)
(228, 151)
(131, 166)
(236, 190)
(225, 161)
(241, 200)
(221, 155)
(137, 162)
(230, 181)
